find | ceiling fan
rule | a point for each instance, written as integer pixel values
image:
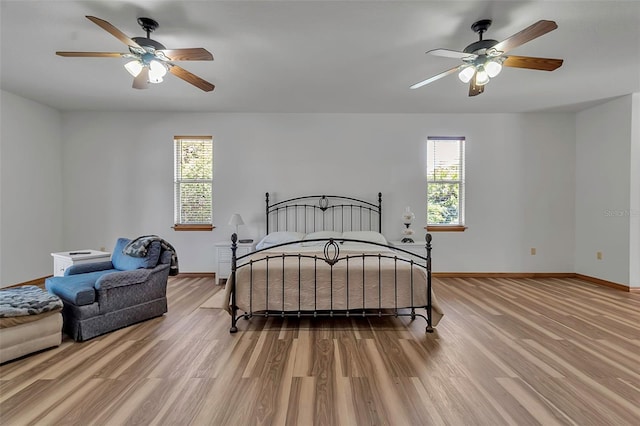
(150, 60)
(484, 59)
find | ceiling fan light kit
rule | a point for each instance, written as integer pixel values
(484, 59)
(150, 60)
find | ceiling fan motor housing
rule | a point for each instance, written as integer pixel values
(479, 45)
(480, 27)
(148, 42)
(149, 25)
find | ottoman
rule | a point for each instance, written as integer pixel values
(30, 320)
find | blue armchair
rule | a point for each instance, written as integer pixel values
(105, 296)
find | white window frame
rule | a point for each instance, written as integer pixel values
(459, 224)
(179, 223)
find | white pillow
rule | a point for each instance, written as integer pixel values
(279, 237)
(370, 236)
(320, 234)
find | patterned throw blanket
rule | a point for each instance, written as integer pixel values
(27, 300)
(139, 247)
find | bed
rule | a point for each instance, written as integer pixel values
(325, 256)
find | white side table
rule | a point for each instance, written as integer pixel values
(418, 248)
(223, 257)
(62, 260)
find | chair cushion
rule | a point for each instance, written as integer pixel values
(125, 262)
(76, 289)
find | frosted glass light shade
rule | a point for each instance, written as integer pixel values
(157, 70)
(466, 74)
(482, 77)
(408, 216)
(133, 67)
(493, 68)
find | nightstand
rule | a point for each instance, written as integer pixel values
(223, 257)
(418, 248)
(62, 260)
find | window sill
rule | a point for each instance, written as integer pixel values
(445, 228)
(193, 227)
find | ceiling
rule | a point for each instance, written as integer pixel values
(319, 56)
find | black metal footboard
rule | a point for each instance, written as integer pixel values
(270, 283)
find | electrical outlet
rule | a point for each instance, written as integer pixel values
(533, 251)
(599, 255)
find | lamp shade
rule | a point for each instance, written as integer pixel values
(236, 220)
(408, 216)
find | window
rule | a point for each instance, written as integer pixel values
(445, 183)
(193, 183)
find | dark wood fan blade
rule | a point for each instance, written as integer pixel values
(544, 64)
(113, 31)
(447, 53)
(192, 54)
(533, 31)
(90, 54)
(191, 78)
(435, 77)
(142, 80)
(475, 89)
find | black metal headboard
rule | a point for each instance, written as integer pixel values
(323, 213)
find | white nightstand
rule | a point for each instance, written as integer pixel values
(223, 257)
(64, 259)
(418, 247)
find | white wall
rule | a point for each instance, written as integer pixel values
(634, 195)
(96, 176)
(117, 177)
(30, 189)
(603, 175)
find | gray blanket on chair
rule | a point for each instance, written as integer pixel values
(139, 247)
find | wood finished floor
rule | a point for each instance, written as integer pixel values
(508, 351)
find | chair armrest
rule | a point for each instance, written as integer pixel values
(84, 268)
(122, 278)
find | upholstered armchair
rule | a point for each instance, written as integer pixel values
(105, 296)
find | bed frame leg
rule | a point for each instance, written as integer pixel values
(429, 329)
(234, 320)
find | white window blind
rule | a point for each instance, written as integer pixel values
(193, 180)
(445, 180)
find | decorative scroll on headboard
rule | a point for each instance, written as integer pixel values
(324, 213)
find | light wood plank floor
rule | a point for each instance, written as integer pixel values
(508, 351)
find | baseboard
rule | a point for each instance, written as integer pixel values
(606, 283)
(197, 274)
(38, 281)
(503, 274)
(582, 277)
